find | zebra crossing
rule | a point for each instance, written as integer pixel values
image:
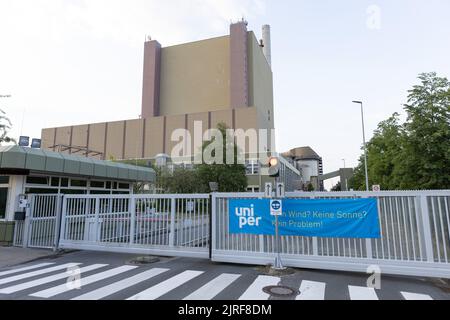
(103, 281)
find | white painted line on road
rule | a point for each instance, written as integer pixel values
(38, 282)
(311, 290)
(121, 285)
(37, 273)
(362, 293)
(213, 288)
(164, 287)
(48, 293)
(4, 273)
(415, 296)
(255, 291)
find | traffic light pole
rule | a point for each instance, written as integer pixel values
(278, 265)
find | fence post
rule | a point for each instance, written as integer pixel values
(27, 223)
(212, 222)
(315, 242)
(132, 209)
(425, 214)
(57, 222)
(369, 253)
(62, 232)
(96, 221)
(172, 222)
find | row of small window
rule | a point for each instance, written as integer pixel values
(252, 167)
(79, 183)
(71, 191)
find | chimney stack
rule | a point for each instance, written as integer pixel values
(267, 49)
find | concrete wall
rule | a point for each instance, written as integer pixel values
(195, 77)
(260, 83)
(145, 138)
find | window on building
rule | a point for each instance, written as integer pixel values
(4, 179)
(3, 198)
(124, 186)
(78, 183)
(253, 189)
(64, 182)
(251, 167)
(98, 184)
(54, 182)
(37, 180)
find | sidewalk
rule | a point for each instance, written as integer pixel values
(10, 256)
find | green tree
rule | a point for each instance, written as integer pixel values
(427, 147)
(416, 154)
(5, 126)
(230, 177)
(384, 152)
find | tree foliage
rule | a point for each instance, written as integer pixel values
(5, 126)
(415, 154)
(230, 177)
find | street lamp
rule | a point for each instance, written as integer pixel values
(344, 163)
(364, 142)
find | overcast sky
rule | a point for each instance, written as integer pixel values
(71, 62)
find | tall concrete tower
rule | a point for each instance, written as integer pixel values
(267, 49)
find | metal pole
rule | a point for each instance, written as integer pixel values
(278, 264)
(365, 147)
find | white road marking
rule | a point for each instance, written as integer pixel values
(37, 273)
(311, 290)
(362, 293)
(415, 296)
(38, 282)
(4, 273)
(213, 288)
(166, 286)
(51, 292)
(120, 285)
(255, 291)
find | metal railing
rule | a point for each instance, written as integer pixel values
(157, 224)
(40, 229)
(415, 236)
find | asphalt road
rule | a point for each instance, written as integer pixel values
(112, 276)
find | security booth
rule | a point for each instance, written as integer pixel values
(26, 173)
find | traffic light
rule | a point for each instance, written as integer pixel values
(274, 167)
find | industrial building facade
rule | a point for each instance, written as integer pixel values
(225, 80)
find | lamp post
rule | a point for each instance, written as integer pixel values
(364, 142)
(344, 163)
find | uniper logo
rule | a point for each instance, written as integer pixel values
(247, 217)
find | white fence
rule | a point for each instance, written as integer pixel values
(415, 228)
(40, 229)
(154, 224)
(415, 237)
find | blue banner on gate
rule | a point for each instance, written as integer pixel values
(328, 218)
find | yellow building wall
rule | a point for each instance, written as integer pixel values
(204, 119)
(154, 132)
(80, 136)
(47, 137)
(225, 116)
(195, 77)
(97, 137)
(114, 140)
(63, 135)
(260, 83)
(173, 123)
(134, 136)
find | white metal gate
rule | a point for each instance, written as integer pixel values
(415, 237)
(175, 225)
(40, 229)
